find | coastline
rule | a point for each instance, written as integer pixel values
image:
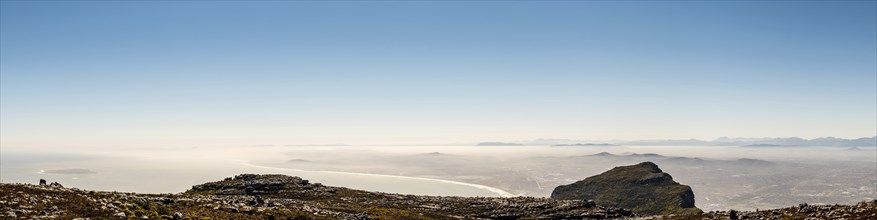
(499, 192)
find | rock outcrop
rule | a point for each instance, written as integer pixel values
(861, 210)
(261, 197)
(643, 188)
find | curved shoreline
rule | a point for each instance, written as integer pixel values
(500, 192)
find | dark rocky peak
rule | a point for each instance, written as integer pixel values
(643, 188)
(644, 166)
(655, 178)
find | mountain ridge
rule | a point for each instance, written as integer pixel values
(827, 141)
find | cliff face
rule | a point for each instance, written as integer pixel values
(643, 188)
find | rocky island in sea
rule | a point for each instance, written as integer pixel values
(639, 191)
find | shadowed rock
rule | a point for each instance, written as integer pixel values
(643, 188)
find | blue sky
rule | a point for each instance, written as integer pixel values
(127, 73)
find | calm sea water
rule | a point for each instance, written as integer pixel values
(157, 174)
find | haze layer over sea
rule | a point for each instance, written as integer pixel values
(721, 177)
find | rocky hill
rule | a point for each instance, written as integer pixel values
(643, 188)
(250, 196)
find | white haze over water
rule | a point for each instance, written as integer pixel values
(766, 178)
(138, 171)
(399, 181)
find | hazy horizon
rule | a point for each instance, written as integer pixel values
(732, 141)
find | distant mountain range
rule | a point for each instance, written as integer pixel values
(498, 144)
(722, 141)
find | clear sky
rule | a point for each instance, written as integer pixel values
(141, 73)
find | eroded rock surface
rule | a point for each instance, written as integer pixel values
(643, 188)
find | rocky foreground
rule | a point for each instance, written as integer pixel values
(250, 196)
